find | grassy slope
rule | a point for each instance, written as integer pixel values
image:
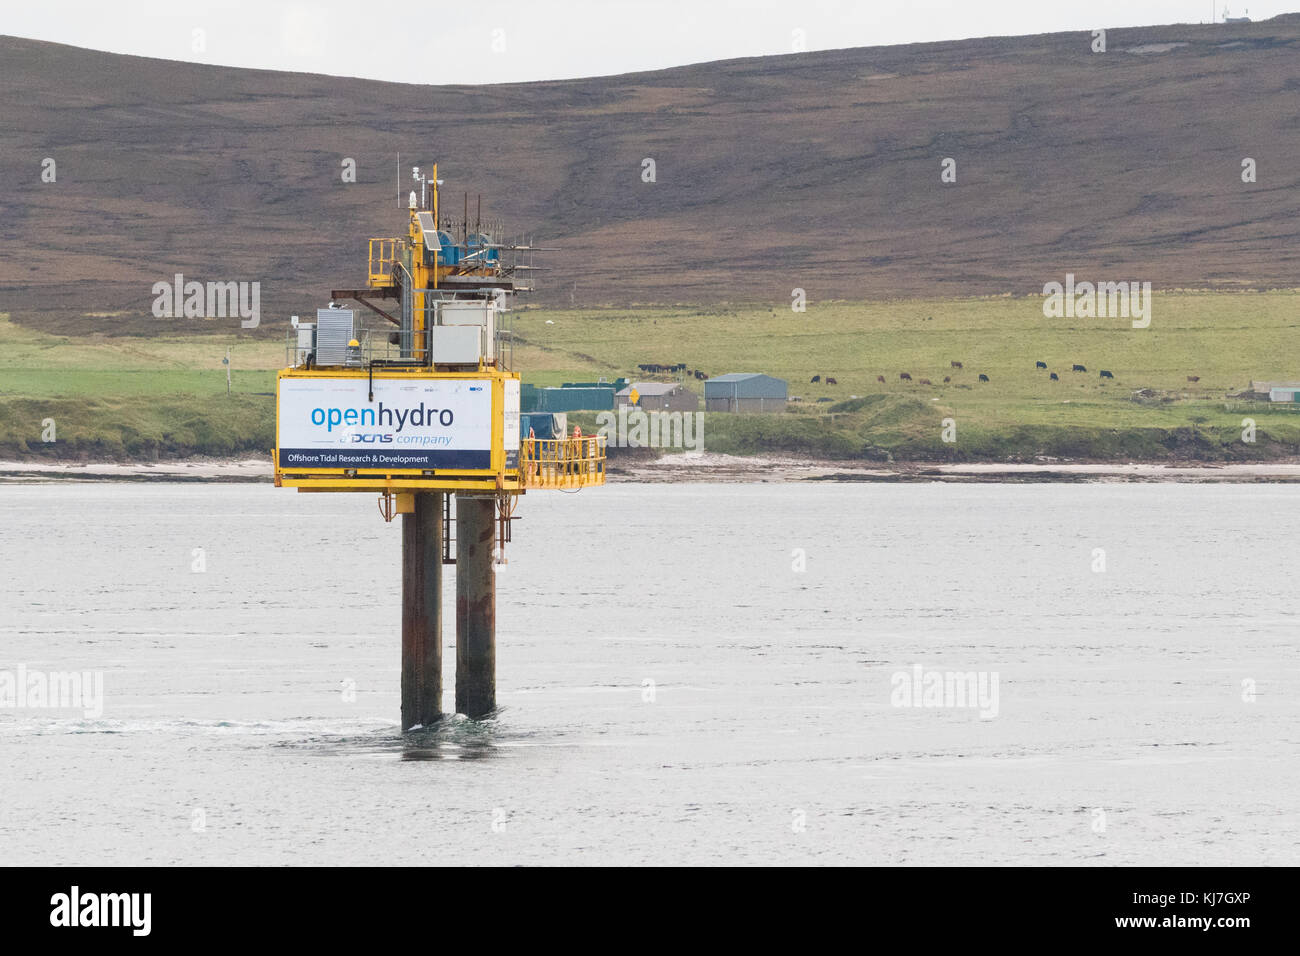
(161, 395)
(1225, 339)
(135, 397)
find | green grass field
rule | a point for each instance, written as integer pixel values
(144, 397)
(1224, 339)
(134, 397)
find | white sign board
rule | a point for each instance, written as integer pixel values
(411, 423)
(510, 428)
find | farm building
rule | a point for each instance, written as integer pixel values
(566, 399)
(617, 384)
(660, 396)
(745, 392)
(1265, 391)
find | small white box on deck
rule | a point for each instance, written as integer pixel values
(456, 344)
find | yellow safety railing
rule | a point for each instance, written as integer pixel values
(383, 257)
(562, 462)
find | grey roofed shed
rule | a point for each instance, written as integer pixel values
(745, 385)
(661, 396)
(649, 388)
(745, 392)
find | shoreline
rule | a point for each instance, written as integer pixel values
(706, 467)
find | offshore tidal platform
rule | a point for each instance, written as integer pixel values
(414, 400)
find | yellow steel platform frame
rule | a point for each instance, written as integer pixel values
(542, 463)
(555, 463)
(562, 462)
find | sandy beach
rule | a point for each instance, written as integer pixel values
(707, 467)
(712, 467)
(190, 469)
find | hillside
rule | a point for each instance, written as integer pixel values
(817, 170)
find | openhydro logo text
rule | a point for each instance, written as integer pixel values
(421, 416)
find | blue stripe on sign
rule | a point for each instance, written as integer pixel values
(298, 459)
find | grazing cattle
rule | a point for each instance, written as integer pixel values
(947, 379)
(654, 368)
(815, 379)
(1193, 378)
(1042, 365)
(700, 375)
(880, 379)
(955, 364)
(904, 377)
(925, 381)
(831, 381)
(1054, 377)
(1106, 374)
(983, 377)
(1078, 368)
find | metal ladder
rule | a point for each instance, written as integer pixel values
(448, 531)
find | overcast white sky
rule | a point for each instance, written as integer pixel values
(493, 41)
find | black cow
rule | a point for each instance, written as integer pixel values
(1042, 365)
(1106, 374)
(955, 364)
(1055, 377)
(1078, 368)
(815, 379)
(831, 381)
(983, 377)
(880, 379)
(904, 377)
